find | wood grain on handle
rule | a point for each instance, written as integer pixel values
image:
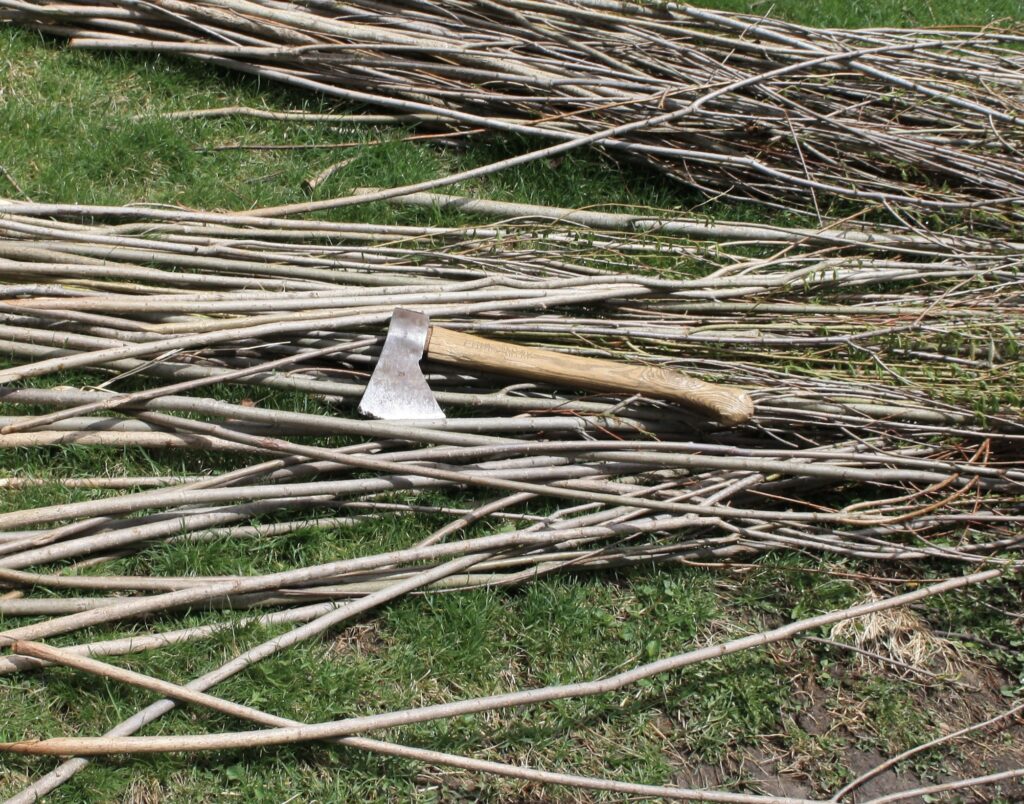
(725, 403)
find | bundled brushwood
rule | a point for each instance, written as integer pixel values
(863, 303)
(921, 124)
(863, 347)
(876, 365)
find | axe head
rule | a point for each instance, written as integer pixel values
(397, 388)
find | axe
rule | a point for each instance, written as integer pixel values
(398, 389)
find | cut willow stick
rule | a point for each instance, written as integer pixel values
(947, 468)
(142, 642)
(92, 438)
(481, 512)
(105, 746)
(125, 424)
(147, 641)
(294, 116)
(445, 137)
(116, 401)
(183, 694)
(696, 228)
(128, 482)
(41, 549)
(79, 539)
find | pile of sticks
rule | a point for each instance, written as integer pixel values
(302, 305)
(919, 124)
(864, 345)
(181, 301)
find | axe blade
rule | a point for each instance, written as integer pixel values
(397, 388)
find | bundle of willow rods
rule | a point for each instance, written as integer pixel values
(922, 124)
(861, 346)
(887, 346)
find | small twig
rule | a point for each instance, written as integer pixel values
(877, 656)
(919, 793)
(892, 761)
(965, 637)
(14, 183)
(310, 184)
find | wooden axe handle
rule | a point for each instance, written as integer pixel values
(725, 403)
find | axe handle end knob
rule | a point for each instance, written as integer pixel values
(727, 404)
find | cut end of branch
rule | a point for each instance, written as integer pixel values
(34, 748)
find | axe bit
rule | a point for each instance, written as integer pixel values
(398, 389)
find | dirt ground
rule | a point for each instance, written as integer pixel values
(782, 766)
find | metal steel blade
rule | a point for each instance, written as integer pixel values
(397, 388)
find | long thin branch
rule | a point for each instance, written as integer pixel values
(185, 695)
(104, 746)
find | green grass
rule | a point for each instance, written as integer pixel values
(68, 136)
(880, 13)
